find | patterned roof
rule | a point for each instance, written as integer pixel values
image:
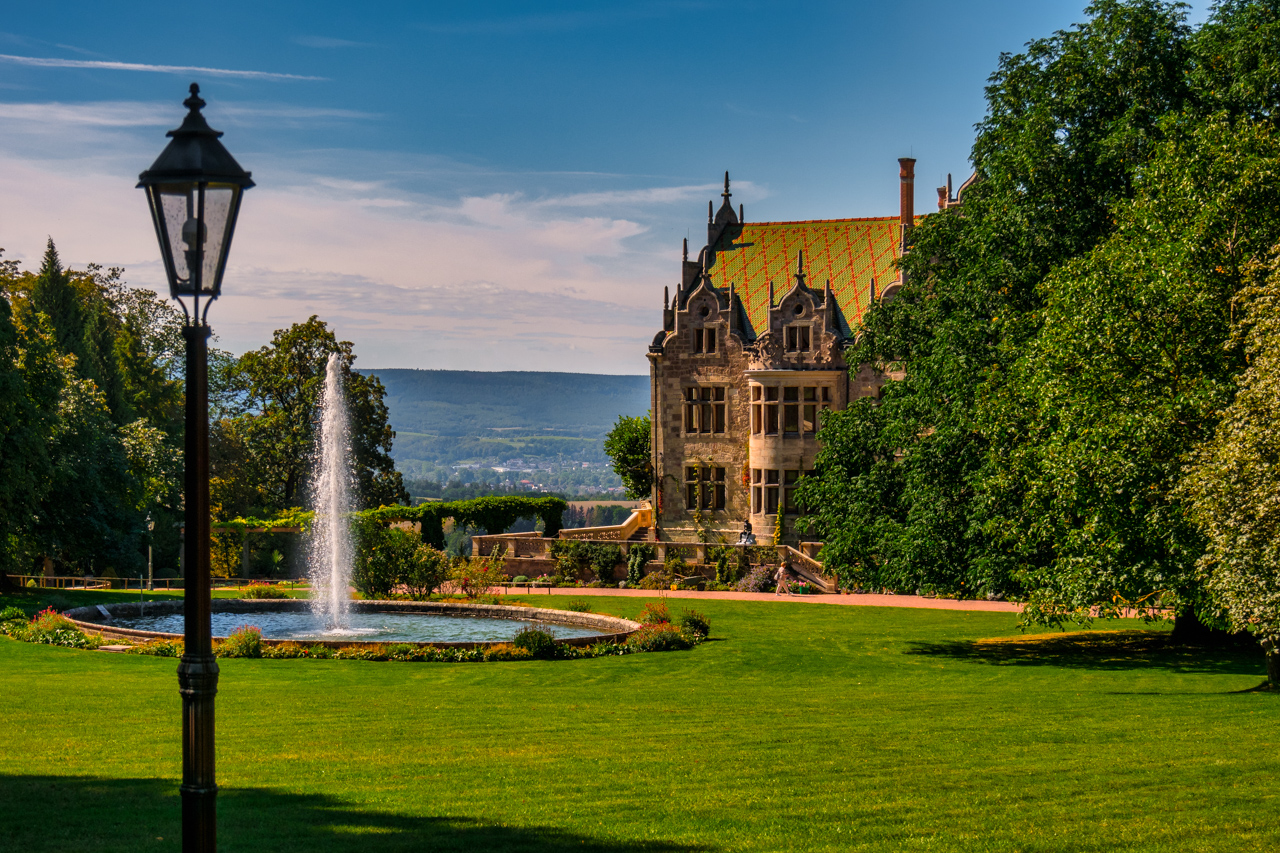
(848, 252)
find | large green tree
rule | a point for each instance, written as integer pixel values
(1233, 487)
(263, 449)
(93, 356)
(1131, 369)
(30, 380)
(1065, 332)
(1068, 120)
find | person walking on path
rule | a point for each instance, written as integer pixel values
(780, 579)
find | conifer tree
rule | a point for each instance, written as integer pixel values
(53, 295)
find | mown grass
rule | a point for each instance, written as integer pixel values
(798, 727)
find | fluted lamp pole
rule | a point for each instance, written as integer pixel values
(194, 188)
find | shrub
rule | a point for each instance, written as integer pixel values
(506, 652)
(759, 579)
(537, 642)
(384, 556)
(472, 576)
(605, 648)
(243, 642)
(661, 579)
(400, 651)
(51, 620)
(694, 624)
(160, 648)
(31, 584)
(10, 614)
(663, 637)
(50, 628)
(264, 590)
(579, 605)
(637, 556)
(655, 614)
(428, 570)
(604, 558)
(573, 557)
(520, 579)
(285, 651)
(729, 564)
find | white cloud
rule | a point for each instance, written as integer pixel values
(326, 42)
(46, 62)
(101, 113)
(490, 281)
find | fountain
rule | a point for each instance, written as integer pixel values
(329, 547)
(334, 618)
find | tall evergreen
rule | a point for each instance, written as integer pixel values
(54, 295)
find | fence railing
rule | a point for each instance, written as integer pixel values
(60, 582)
(525, 550)
(69, 582)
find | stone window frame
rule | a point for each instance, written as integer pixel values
(797, 337)
(791, 412)
(705, 406)
(773, 486)
(705, 487)
(705, 340)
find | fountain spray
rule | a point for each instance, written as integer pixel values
(329, 547)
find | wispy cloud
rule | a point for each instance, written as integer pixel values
(295, 113)
(632, 198)
(99, 114)
(326, 42)
(44, 62)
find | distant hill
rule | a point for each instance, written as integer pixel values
(554, 422)
(475, 403)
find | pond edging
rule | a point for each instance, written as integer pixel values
(613, 629)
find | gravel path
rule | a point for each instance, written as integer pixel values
(843, 600)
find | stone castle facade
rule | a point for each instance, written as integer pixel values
(752, 350)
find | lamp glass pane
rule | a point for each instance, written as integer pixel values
(218, 200)
(177, 203)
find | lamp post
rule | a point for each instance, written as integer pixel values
(151, 525)
(194, 190)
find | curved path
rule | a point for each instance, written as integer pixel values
(845, 600)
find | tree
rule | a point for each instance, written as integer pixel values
(1069, 121)
(267, 443)
(90, 346)
(30, 381)
(628, 444)
(1233, 485)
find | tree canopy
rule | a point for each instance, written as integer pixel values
(1066, 333)
(629, 445)
(91, 418)
(262, 448)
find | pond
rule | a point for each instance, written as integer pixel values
(363, 626)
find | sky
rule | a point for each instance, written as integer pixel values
(486, 186)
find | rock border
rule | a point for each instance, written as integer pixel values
(95, 619)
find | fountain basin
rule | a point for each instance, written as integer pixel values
(440, 624)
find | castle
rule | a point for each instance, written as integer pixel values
(752, 350)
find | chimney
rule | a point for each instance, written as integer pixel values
(907, 194)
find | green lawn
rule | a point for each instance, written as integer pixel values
(800, 727)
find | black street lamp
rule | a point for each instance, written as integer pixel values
(194, 188)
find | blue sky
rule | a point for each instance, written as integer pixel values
(485, 185)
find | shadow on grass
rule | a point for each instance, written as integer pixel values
(39, 813)
(1106, 650)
